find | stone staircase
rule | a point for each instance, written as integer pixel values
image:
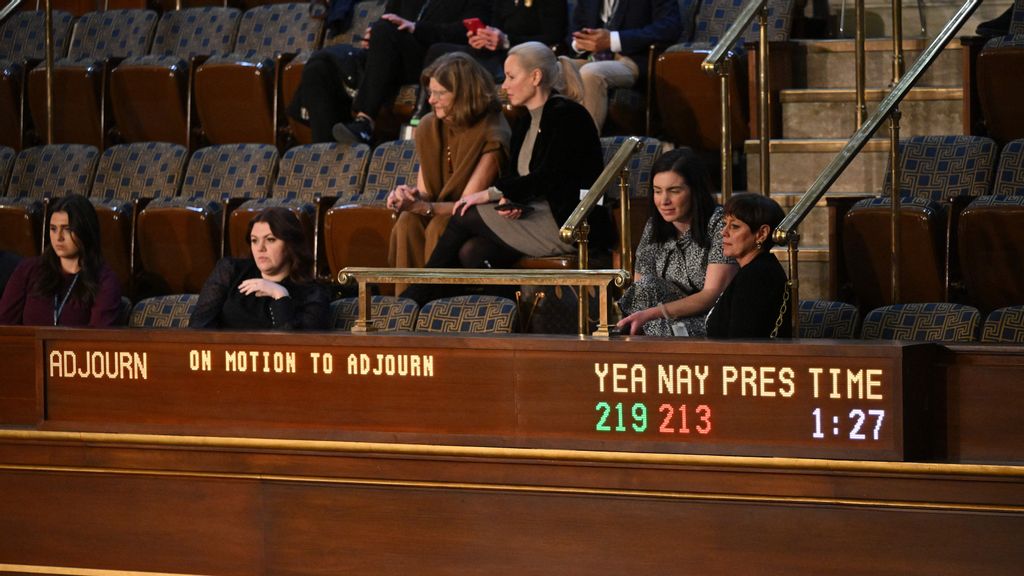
(819, 117)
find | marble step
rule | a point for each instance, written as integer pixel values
(831, 112)
(812, 270)
(796, 164)
(830, 63)
(878, 17)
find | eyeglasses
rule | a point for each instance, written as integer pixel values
(438, 94)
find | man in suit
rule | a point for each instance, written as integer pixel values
(392, 54)
(397, 44)
(615, 36)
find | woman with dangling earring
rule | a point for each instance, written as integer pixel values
(756, 302)
(69, 284)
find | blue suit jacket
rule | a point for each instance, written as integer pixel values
(639, 23)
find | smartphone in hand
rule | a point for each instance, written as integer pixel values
(526, 208)
(473, 25)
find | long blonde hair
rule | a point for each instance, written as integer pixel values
(556, 74)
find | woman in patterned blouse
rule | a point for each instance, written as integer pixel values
(680, 268)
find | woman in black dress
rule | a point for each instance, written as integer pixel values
(273, 290)
(756, 302)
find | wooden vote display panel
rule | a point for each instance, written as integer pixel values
(806, 400)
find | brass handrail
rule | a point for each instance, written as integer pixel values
(582, 278)
(832, 172)
(714, 64)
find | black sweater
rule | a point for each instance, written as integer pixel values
(749, 306)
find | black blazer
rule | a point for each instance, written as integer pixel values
(639, 23)
(566, 158)
(442, 19)
(749, 306)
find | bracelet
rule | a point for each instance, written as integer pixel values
(664, 312)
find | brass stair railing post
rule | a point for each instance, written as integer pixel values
(49, 71)
(625, 224)
(896, 223)
(859, 62)
(726, 149)
(584, 264)
(764, 85)
(793, 246)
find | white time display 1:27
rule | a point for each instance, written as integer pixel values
(859, 426)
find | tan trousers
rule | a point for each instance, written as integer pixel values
(413, 240)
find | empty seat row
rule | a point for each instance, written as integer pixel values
(166, 219)
(477, 314)
(939, 177)
(144, 73)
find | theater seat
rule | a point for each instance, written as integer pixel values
(933, 171)
(923, 322)
(357, 228)
(7, 156)
(991, 245)
(129, 174)
(41, 172)
(181, 238)
(475, 314)
(1004, 326)
(689, 100)
(238, 94)
(151, 94)
(171, 311)
(310, 178)
(827, 319)
(388, 313)
(998, 90)
(81, 80)
(22, 46)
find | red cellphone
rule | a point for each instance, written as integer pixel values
(473, 24)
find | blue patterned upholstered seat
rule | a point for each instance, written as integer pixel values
(389, 313)
(923, 322)
(41, 172)
(475, 314)
(150, 92)
(688, 99)
(991, 244)
(236, 93)
(1004, 325)
(22, 43)
(171, 311)
(79, 77)
(933, 169)
(639, 165)
(1010, 172)
(127, 173)
(826, 319)
(358, 227)
(6, 164)
(306, 175)
(180, 238)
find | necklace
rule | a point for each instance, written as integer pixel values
(58, 309)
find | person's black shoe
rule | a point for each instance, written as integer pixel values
(998, 26)
(359, 131)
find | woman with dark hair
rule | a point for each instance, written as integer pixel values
(755, 305)
(680, 267)
(69, 284)
(555, 153)
(461, 146)
(272, 290)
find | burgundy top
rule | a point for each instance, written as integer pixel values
(20, 306)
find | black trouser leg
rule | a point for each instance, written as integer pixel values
(324, 97)
(395, 57)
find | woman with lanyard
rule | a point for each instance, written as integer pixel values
(69, 284)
